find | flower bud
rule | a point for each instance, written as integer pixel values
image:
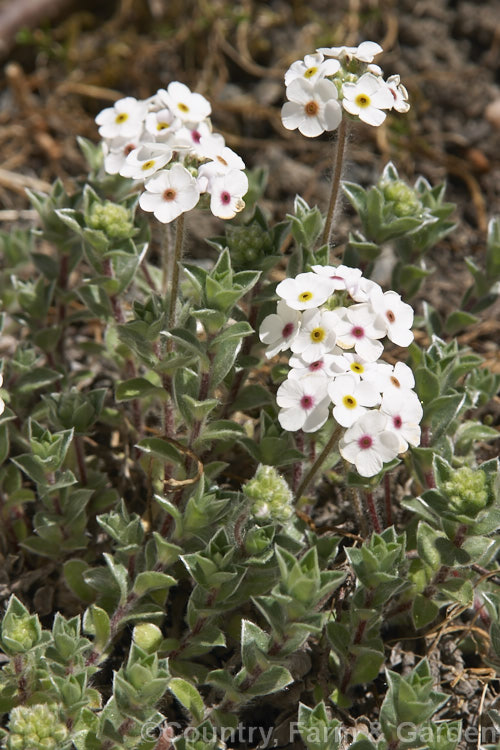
(110, 218)
(467, 491)
(271, 495)
(35, 728)
(148, 637)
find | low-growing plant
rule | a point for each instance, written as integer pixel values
(164, 463)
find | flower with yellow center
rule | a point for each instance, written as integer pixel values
(367, 98)
(305, 291)
(351, 398)
(311, 68)
(188, 106)
(144, 161)
(312, 106)
(316, 336)
(124, 120)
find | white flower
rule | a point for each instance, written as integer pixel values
(226, 194)
(124, 119)
(116, 151)
(169, 193)
(192, 138)
(316, 336)
(360, 329)
(313, 107)
(322, 366)
(311, 68)
(278, 330)
(367, 98)
(223, 159)
(404, 413)
(364, 53)
(361, 292)
(394, 314)
(368, 444)
(375, 69)
(351, 398)
(352, 364)
(183, 103)
(144, 161)
(396, 380)
(161, 124)
(343, 277)
(304, 404)
(305, 291)
(399, 93)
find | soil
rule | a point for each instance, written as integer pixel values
(77, 58)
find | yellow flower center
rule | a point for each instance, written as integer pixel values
(357, 367)
(121, 118)
(317, 335)
(310, 72)
(362, 100)
(162, 125)
(148, 164)
(349, 402)
(183, 107)
(305, 296)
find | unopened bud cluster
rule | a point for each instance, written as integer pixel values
(35, 728)
(467, 490)
(270, 494)
(336, 82)
(333, 320)
(167, 142)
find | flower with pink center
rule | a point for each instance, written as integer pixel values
(300, 368)
(169, 193)
(222, 158)
(394, 314)
(278, 330)
(192, 138)
(116, 151)
(394, 381)
(368, 444)
(359, 329)
(304, 403)
(351, 398)
(305, 291)
(317, 334)
(312, 107)
(399, 93)
(343, 277)
(226, 194)
(404, 413)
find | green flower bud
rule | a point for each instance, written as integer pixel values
(406, 202)
(35, 728)
(248, 244)
(271, 495)
(111, 218)
(467, 491)
(148, 637)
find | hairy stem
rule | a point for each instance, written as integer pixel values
(318, 463)
(372, 510)
(337, 174)
(174, 283)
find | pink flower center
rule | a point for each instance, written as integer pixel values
(358, 332)
(390, 316)
(339, 278)
(225, 197)
(314, 366)
(195, 135)
(307, 402)
(365, 442)
(287, 330)
(397, 422)
(128, 148)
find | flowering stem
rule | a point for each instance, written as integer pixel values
(298, 465)
(317, 464)
(337, 174)
(174, 284)
(372, 510)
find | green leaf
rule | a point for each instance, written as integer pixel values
(136, 388)
(427, 384)
(96, 622)
(274, 679)
(150, 580)
(458, 320)
(40, 377)
(188, 696)
(424, 611)
(367, 664)
(73, 573)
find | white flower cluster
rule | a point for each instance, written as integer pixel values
(167, 142)
(335, 78)
(333, 320)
